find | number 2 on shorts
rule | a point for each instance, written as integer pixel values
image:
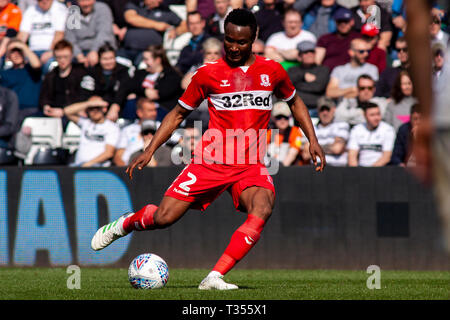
(185, 185)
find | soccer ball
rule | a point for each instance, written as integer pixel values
(148, 271)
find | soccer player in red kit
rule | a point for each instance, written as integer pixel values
(239, 91)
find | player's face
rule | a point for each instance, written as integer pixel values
(237, 44)
(373, 117)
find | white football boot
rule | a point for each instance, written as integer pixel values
(214, 281)
(109, 233)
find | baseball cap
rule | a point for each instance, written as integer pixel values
(325, 102)
(281, 108)
(305, 46)
(370, 30)
(149, 126)
(438, 47)
(342, 14)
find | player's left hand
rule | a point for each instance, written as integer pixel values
(316, 151)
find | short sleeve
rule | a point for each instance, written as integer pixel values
(122, 142)
(60, 20)
(342, 130)
(112, 138)
(284, 89)
(196, 91)
(388, 143)
(352, 141)
(25, 24)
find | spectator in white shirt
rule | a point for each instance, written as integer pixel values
(371, 143)
(282, 46)
(43, 26)
(99, 136)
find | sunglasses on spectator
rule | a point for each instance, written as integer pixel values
(436, 21)
(279, 117)
(402, 49)
(439, 53)
(361, 88)
(308, 51)
(148, 131)
(361, 51)
(324, 108)
(258, 53)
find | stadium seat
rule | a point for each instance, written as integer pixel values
(50, 156)
(71, 137)
(173, 47)
(7, 157)
(45, 132)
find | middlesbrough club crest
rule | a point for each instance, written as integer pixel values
(265, 81)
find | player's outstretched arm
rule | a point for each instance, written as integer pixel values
(169, 124)
(301, 114)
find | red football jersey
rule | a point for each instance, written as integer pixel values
(240, 105)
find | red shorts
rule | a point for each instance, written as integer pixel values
(201, 184)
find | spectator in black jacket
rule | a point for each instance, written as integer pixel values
(159, 82)
(192, 54)
(310, 80)
(66, 84)
(109, 78)
(9, 111)
(401, 155)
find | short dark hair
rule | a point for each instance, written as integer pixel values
(106, 48)
(193, 13)
(243, 18)
(415, 108)
(63, 44)
(367, 105)
(366, 77)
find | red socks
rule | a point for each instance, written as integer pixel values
(141, 220)
(243, 239)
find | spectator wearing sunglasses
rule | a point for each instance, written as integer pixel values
(284, 143)
(343, 79)
(310, 80)
(349, 109)
(436, 32)
(438, 51)
(388, 76)
(377, 56)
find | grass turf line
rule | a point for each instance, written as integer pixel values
(112, 284)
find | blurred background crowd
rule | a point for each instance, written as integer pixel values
(88, 82)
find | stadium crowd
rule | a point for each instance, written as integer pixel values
(115, 68)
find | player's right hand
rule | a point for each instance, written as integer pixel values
(140, 162)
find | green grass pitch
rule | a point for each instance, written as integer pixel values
(112, 284)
